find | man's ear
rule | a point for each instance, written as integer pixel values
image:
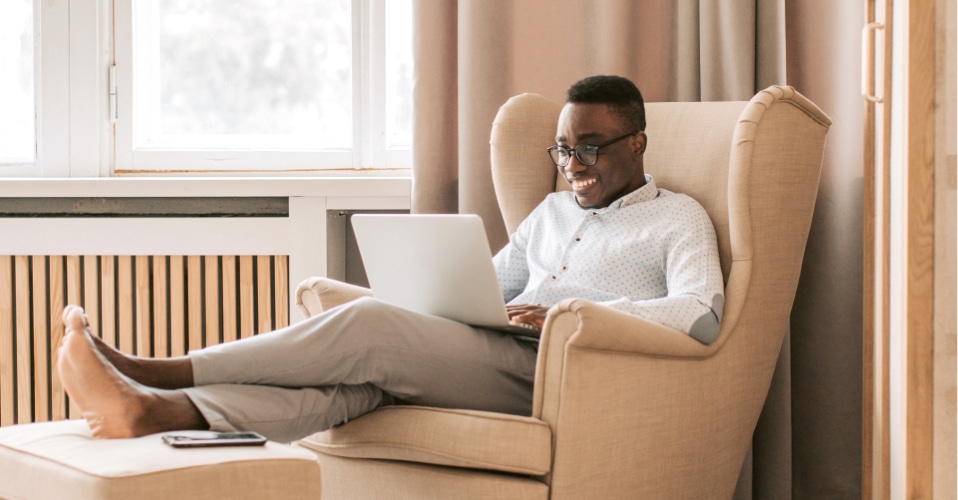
(639, 143)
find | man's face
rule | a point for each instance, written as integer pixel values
(618, 170)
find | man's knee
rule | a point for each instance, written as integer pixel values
(368, 311)
(367, 305)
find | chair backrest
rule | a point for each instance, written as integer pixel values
(755, 167)
(734, 158)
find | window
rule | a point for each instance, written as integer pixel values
(263, 85)
(212, 86)
(17, 124)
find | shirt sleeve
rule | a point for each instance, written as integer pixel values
(512, 266)
(696, 297)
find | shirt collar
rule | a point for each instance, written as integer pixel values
(648, 192)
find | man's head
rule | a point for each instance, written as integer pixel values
(600, 140)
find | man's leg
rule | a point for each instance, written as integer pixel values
(351, 360)
(416, 358)
(114, 405)
(347, 362)
(283, 414)
(162, 373)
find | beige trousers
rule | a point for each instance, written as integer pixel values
(353, 359)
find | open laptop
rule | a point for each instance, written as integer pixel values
(434, 264)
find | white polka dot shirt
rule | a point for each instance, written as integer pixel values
(651, 253)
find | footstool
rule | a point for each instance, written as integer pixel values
(62, 460)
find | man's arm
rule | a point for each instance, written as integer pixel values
(696, 291)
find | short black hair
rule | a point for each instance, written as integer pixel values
(619, 93)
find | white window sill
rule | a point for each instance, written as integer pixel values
(340, 192)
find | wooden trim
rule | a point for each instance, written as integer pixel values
(59, 282)
(194, 302)
(246, 296)
(41, 341)
(229, 325)
(107, 328)
(124, 299)
(177, 306)
(281, 283)
(24, 358)
(7, 353)
(212, 292)
(876, 439)
(263, 280)
(869, 476)
(161, 308)
(144, 333)
(91, 299)
(919, 294)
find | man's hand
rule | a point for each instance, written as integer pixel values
(528, 314)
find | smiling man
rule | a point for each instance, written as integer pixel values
(615, 239)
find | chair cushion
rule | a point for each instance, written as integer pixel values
(62, 460)
(459, 438)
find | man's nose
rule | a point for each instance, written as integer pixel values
(574, 165)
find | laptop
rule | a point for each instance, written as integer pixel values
(439, 265)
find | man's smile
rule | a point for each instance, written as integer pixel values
(581, 184)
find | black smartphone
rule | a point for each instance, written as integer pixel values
(199, 439)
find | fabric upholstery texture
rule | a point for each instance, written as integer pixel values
(62, 460)
(459, 438)
(359, 479)
(635, 409)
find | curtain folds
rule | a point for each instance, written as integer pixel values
(472, 55)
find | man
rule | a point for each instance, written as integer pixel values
(615, 239)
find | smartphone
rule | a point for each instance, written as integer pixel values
(200, 439)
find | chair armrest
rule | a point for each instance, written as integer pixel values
(578, 326)
(605, 377)
(588, 325)
(318, 294)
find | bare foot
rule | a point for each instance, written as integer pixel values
(114, 405)
(169, 373)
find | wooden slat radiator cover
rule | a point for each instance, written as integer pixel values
(156, 306)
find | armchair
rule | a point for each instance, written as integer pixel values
(622, 407)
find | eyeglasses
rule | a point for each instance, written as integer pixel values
(585, 153)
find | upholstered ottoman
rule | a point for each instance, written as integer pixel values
(61, 460)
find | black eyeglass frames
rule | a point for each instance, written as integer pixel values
(587, 154)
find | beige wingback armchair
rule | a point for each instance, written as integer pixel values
(623, 407)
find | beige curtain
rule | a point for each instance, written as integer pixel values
(472, 55)
(824, 61)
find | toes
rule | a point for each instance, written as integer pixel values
(74, 318)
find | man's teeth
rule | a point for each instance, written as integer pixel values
(583, 184)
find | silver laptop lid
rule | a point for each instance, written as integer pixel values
(432, 264)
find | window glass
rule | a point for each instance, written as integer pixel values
(266, 74)
(399, 73)
(17, 122)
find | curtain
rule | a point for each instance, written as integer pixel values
(824, 62)
(472, 55)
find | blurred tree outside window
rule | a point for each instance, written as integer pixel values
(17, 103)
(270, 75)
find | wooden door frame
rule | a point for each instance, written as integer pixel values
(903, 317)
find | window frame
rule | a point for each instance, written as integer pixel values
(368, 155)
(81, 46)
